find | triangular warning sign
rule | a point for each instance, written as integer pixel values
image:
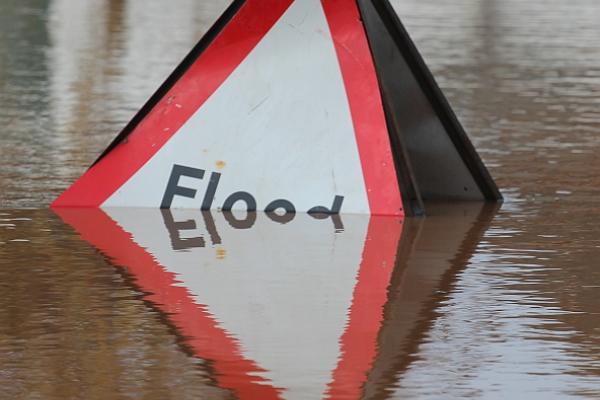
(306, 105)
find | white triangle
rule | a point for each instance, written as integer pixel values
(278, 127)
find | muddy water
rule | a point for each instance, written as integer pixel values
(468, 302)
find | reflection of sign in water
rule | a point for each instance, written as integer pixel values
(281, 310)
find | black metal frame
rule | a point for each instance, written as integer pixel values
(428, 86)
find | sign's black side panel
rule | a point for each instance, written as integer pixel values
(444, 163)
(409, 190)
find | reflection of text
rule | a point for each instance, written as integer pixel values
(236, 220)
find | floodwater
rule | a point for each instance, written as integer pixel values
(470, 302)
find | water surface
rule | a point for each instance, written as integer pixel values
(477, 303)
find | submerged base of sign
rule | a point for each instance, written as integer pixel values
(318, 106)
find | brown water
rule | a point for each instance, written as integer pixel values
(480, 303)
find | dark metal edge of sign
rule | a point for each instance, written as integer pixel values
(412, 203)
(432, 93)
(179, 71)
(437, 100)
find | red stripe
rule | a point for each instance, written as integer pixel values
(366, 106)
(204, 335)
(359, 341)
(245, 30)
